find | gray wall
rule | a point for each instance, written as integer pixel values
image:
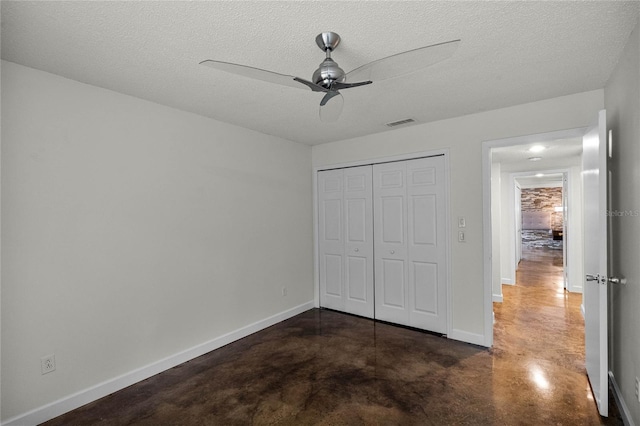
(622, 101)
(132, 232)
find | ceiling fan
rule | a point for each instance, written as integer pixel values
(329, 78)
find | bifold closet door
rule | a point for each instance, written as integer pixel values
(345, 232)
(410, 243)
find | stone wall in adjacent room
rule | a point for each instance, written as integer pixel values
(544, 199)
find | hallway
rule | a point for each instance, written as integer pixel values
(539, 333)
(328, 368)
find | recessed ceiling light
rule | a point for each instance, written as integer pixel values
(539, 174)
(535, 158)
(537, 148)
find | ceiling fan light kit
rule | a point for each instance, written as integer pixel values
(329, 78)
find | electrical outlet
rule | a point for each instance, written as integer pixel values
(284, 291)
(48, 363)
(638, 389)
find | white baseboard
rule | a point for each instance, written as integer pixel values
(575, 289)
(78, 399)
(624, 410)
(465, 336)
(497, 298)
(507, 281)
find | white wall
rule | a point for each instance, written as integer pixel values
(622, 100)
(507, 230)
(575, 231)
(464, 136)
(132, 231)
(496, 225)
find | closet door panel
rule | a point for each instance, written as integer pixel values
(333, 275)
(426, 244)
(359, 241)
(423, 227)
(390, 234)
(345, 231)
(424, 278)
(393, 294)
(357, 278)
(331, 236)
(356, 220)
(392, 222)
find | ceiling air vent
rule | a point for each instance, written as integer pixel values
(401, 122)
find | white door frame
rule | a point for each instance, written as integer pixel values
(377, 160)
(487, 147)
(512, 187)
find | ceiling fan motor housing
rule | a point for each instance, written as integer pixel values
(328, 73)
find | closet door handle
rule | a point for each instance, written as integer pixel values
(356, 250)
(392, 251)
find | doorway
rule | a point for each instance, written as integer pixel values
(551, 216)
(541, 218)
(505, 160)
(593, 309)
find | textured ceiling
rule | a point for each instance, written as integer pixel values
(511, 53)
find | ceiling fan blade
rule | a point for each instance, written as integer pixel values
(328, 96)
(331, 107)
(340, 86)
(405, 62)
(312, 86)
(256, 73)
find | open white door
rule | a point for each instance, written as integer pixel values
(594, 178)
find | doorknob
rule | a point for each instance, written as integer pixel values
(392, 251)
(603, 280)
(356, 250)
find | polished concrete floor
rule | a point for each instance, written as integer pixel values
(328, 368)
